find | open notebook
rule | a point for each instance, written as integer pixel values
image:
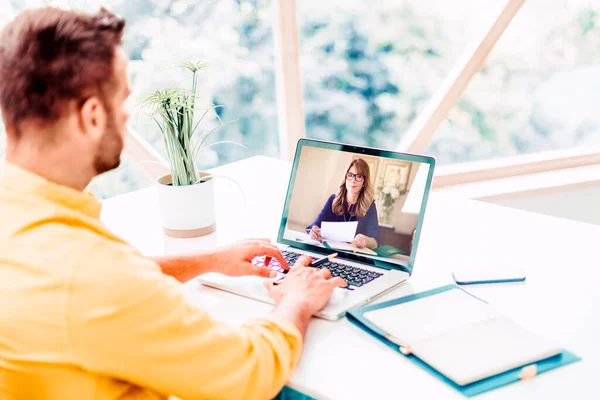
(460, 336)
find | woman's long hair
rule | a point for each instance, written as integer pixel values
(365, 197)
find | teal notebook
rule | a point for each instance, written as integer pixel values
(357, 317)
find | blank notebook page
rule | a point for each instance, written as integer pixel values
(460, 336)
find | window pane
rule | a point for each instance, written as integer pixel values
(369, 68)
(233, 36)
(539, 89)
(128, 177)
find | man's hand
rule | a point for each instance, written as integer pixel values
(315, 233)
(303, 292)
(360, 241)
(236, 260)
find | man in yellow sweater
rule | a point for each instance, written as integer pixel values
(82, 314)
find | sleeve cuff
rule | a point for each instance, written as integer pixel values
(289, 330)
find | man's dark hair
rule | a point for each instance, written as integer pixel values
(49, 57)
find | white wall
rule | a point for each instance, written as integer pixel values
(405, 222)
(319, 174)
(581, 204)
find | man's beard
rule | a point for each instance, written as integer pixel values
(108, 156)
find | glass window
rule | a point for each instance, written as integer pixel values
(369, 67)
(128, 177)
(539, 89)
(234, 37)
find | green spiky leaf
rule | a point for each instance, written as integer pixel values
(175, 112)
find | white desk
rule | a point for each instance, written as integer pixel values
(560, 297)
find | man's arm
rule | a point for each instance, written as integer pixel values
(129, 321)
(235, 260)
(186, 267)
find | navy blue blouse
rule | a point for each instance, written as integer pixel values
(367, 225)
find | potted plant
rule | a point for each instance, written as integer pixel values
(186, 195)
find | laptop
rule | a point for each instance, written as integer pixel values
(365, 204)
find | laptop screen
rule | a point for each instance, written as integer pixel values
(365, 204)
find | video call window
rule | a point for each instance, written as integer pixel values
(375, 201)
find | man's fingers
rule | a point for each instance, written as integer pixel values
(337, 282)
(303, 261)
(266, 240)
(261, 243)
(262, 271)
(325, 273)
(258, 249)
(268, 283)
(264, 249)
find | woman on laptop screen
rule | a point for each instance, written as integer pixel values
(354, 201)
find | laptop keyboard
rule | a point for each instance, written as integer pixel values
(353, 275)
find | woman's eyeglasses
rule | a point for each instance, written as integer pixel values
(356, 177)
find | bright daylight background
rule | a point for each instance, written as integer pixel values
(368, 69)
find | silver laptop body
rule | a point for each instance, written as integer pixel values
(401, 183)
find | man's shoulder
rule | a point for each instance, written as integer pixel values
(44, 239)
(109, 257)
(59, 233)
(115, 273)
(17, 213)
(87, 246)
(29, 216)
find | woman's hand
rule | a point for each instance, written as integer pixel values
(315, 233)
(360, 241)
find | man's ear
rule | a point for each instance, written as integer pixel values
(92, 117)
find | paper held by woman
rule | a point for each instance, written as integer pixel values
(339, 231)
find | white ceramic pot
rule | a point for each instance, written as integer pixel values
(187, 211)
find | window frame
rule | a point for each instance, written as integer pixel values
(288, 77)
(507, 167)
(291, 119)
(421, 132)
(146, 157)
